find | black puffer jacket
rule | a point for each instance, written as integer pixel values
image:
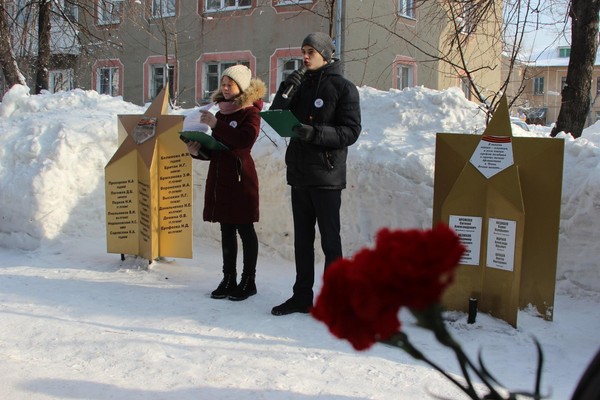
(330, 103)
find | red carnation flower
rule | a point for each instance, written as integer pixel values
(361, 297)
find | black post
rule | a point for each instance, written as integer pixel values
(472, 311)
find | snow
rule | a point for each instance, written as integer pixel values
(550, 58)
(79, 323)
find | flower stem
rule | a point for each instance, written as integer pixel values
(431, 318)
(400, 340)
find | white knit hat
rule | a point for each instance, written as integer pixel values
(240, 74)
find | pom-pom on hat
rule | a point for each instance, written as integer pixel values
(240, 74)
(321, 43)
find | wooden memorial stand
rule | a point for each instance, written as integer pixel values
(502, 195)
(148, 184)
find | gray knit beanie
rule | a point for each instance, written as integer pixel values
(321, 43)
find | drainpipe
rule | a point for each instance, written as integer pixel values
(338, 30)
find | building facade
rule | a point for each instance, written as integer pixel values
(138, 46)
(545, 79)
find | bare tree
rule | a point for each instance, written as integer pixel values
(36, 33)
(470, 31)
(576, 101)
(10, 67)
(160, 28)
(43, 57)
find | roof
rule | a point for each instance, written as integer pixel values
(550, 58)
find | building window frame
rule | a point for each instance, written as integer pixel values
(108, 80)
(404, 76)
(107, 77)
(225, 5)
(163, 8)
(406, 8)
(538, 86)
(212, 74)
(60, 80)
(466, 26)
(285, 66)
(150, 68)
(287, 6)
(210, 66)
(405, 72)
(292, 2)
(109, 12)
(465, 86)
(70, 10)
(564, 52)
(278, 70)
(158, 78)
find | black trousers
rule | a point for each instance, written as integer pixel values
(229, 246)
(310, 206)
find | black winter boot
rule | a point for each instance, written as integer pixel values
(227, 285)
(292, 305)
(245, 289)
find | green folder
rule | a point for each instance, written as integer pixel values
(281, 121)
(207, 141)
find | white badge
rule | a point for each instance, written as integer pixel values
(233, 124)
(319, 103)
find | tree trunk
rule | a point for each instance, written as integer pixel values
(12, 74)
(575, 101)
(43, 61)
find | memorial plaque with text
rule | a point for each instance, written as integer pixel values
(148, 185)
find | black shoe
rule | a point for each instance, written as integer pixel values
(245, 289)
(225, 288)
(291, 306)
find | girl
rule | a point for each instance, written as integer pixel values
(231, 192)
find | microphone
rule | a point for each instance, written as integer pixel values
(287, 92)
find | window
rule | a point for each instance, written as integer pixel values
(210, 66)
(109, 11)
(406, 8)
(69, 10)
(563, 83)
(163, 8)
(466, 23)
(212, 72)
(108, 81)
(107, 77)
(538, 86)
(160, 74)
(405, 72)
(404, 76)
(288, 6)
(60, 80)
(598, 86)
(564, 52)
(465, 85)
(292, 2)
(227, 5)
(597, 116)
(287, 67)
